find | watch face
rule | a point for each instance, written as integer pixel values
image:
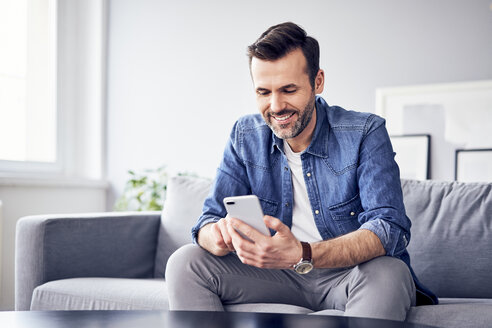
(304, 267)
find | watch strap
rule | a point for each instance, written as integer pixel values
(306, 252)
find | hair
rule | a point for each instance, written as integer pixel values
(281, 39)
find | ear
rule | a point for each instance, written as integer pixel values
(319, 82)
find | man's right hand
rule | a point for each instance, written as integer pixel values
(215, 238)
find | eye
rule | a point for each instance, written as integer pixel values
(289, 89)
(262, 92)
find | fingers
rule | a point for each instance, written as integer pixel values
(246, 230)
(276, 224)
(262, 251)
(246, 250)
(222, 237)
(239, 238)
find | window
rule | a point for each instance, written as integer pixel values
(52, 89)
(28, 111)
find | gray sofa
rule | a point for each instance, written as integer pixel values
(111, 261)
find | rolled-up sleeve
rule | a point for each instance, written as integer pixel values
(393, 238)
(380, 190)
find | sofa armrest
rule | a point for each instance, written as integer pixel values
(52, 247)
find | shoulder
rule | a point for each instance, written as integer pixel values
(252, 141)
(343, 119)
(251, 131)
(251, 126)
(251, 122)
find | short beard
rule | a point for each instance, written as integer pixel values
(299, 125)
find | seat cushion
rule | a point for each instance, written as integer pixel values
(101, 294)
(465, 300)
(457, 315)
(267, 307)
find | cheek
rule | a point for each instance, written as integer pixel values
(263, 105)
(300, 100)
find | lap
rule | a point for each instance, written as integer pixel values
(236, 282)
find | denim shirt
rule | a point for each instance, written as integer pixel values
(351, 178)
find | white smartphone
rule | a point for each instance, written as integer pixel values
(247, 209)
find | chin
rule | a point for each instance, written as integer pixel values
(283, 134)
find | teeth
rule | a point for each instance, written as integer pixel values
(283, 118)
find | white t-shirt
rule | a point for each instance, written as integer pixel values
(303, 226)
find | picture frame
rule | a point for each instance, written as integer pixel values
(473, 165)
(413, 155)
(456, 115)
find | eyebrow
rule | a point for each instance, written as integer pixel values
(287, 86)
(261, 89)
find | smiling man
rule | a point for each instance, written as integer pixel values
(330, 188)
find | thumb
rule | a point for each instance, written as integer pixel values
(275, 224)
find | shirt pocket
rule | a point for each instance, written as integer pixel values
(346, 214)
(269, 207)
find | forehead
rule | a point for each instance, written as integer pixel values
(287, 70)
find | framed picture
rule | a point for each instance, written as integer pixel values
(473, 165)
(456, 115)
(413, 155)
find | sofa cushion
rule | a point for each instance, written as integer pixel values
(267, 307)
(101, 294)
(451, 243)
(184, 203)
(465, 300)
(71, 242)
(457, 315)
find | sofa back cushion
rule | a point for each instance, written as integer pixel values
(87, 246)
(451, 243)
(184, 202)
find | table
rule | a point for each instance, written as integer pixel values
(185, 319)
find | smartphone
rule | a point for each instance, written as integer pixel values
(247, 209)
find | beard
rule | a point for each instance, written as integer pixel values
(283, 131)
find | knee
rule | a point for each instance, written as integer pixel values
(382, 288)
(387, 272)
(180, 261)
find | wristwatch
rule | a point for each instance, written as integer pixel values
(305, 265)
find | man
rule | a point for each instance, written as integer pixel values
(329, 186)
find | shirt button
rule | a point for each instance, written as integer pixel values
(317, 212)
(308, 174)
(286, 168)
(286, 204)
(352, 213)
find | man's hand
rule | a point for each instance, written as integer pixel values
(215, 238)
(281, 251)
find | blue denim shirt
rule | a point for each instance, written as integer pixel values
(354, 182)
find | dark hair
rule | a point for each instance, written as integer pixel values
(281, 39)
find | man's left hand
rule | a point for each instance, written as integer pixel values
(281, 251)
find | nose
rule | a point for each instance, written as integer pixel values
(277, 102)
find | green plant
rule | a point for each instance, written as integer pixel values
(144, 191)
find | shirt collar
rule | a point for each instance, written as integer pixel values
(319, 144)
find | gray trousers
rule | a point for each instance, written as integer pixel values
(197, 280)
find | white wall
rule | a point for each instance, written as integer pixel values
(178, 74)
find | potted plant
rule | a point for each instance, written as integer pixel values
(144, 191)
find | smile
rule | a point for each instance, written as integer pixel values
(283, 118)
